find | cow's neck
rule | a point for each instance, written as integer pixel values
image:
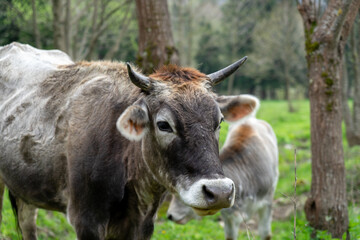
(142, 181)
(134, 217)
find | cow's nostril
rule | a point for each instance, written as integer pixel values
(209, 194)
(170, 217)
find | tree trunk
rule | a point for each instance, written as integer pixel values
(326, 208)
(287, 87)
(287, 54)
(230, 86)
(355, 136)
(122, 32)
(156, 44)
(58, 24)
(190, 34)
(67, 27)
(352, 118)
(35, 27)
(347, 115)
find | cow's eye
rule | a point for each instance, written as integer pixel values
(164, 126)
(222, 119)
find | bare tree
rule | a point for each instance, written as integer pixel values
(79, 24)
(122, 31)
(183, 18)
(279, 49)
(325, 37)
(352, 118)
(156, 44)
(35, 25)
(58, 24)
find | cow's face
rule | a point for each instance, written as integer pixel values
(178, 122)
(235, 110)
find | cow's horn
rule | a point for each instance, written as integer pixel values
(220, 75)
(138, 79)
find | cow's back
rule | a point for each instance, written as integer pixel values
(250, 159)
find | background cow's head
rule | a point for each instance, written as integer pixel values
(178, 121)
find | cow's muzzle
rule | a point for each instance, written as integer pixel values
(207, 196)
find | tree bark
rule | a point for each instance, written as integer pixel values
(35, 27)
(326, 208)
(352, 118)
(354, 137)
(287, 54)
(58, 24)
(230, 85)
(287, 88)
(347, 115)
(156, 44)
(67, 27)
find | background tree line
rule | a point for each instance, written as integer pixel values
(207, 35)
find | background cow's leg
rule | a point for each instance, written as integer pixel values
(27, 214)
(2, 189)
(264, 228)
(232, 219)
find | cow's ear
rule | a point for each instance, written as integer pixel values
(235, 108)
(133, 122)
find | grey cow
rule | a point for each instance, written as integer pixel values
(250, 158)
(103, 143)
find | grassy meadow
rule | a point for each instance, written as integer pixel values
(293, 131)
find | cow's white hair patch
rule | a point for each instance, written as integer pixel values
(194, 196)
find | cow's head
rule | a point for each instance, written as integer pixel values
(235, 109)
(178, 122)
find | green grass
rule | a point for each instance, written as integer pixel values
(292, 131)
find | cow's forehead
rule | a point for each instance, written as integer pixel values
(188, 112)
(172, 80)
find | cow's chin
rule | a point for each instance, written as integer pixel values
(205, 212)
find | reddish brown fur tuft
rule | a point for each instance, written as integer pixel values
(239, 112)
(178, 75)
(240, 136)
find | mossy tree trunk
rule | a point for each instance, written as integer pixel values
(326, 208)
(156, 44)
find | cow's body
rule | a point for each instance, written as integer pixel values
(61, 149)
(250, 158)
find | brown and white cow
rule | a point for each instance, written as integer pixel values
(102, 143)
(250, 158)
